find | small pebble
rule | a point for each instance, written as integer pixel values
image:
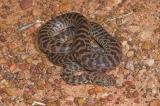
(103, 95)
(3, 61)
(2, 38)
(91, 91)
(110, 97)
(26, 4)
(130, 65)
(147, 45)
(29, 60)
(98, 89)
(134, 28)
(27, 75)
(4, 83)
(149, 62)
(19, 75)
(135, 94)
(50, 70)
(80, 101)
(66, 6)
(91, 101)
(38, 24)
(129, 83)
(136, 100)
(35, 62)
(13, 67)
(10, 91)
(24, 56)
(126, 47)
(130, 53)
(70, 98)
(36, 12)
(13, 45)
(8, 76)
(40, 85)
(50, 80)
(24, 66)
(146, 34)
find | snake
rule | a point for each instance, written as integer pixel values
(72, 41)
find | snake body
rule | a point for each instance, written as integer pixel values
(72, 41)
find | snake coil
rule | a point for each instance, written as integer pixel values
(72, 41)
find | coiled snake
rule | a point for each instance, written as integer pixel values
(72, 41)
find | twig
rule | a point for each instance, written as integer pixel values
(38, 103)
(27, 26)
(122, 16)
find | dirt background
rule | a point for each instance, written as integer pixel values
(28, 78)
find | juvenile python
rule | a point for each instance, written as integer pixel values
(72, 41)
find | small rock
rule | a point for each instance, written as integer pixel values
(66, 6)
(80, 101)
(4, 83)
(118, 1)
(24, 56)
(26, 96)
(27, 75)
(36, 12)
(26, 4)
(38, 24)
(8, 76)
(130, 65)
(24, 66)
(29, 60)
(10, 91)
(129, 83)
(40, 85)
(50, 80)
(13, 67)
(91, 91)
(130, 53)
(19, 75)
(134, 28)
(102, 95)
(109, 97)
(136, 100)
(149, 62)
(50, 70)
(126, 47)
(155, 102)
(146, 34)
(119, 82)
(98, 89)
(35, 62)
(13, 45)
(147, 45)
(70, 98)
(2, 38)
(135, 94)
(91, 101)
(3, 61)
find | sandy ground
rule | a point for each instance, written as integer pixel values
(28, 78)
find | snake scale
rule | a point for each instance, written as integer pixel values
(72, 41)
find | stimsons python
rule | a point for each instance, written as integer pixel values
(72, 41)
